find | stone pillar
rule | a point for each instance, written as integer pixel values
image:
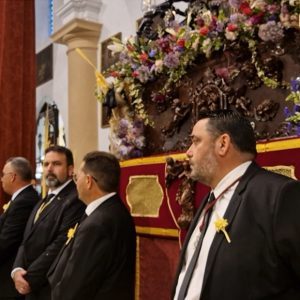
(82, 103)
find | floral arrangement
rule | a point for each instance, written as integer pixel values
(179, 44)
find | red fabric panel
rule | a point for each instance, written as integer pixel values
(165, 220)
(158, 261)
(17, 80)
(290, 157)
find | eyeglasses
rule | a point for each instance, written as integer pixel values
(75, 177)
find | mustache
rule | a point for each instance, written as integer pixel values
(51, 176)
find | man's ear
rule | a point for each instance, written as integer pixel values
(70, 171)
(223, 144)
(89, 181)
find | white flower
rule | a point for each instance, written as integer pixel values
(116, 47)
(230, 35)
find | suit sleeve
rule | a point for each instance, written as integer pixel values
(287, 227)
(13, 228)
(92, 247)
(36, 273)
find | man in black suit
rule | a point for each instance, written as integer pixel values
(98, 262)
(251, 241)
(16, 181)
(48, 225)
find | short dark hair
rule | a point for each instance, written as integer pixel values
(235, 125)
(105, 169)
(22, 167)
(61, 149)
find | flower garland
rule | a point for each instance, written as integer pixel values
(203, 32)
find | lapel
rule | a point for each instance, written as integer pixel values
(31, 226)
(67, 247)
(229, 215)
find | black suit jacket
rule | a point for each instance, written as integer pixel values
(44, 238)
(12, 226)
(99, 263)
(263, 259)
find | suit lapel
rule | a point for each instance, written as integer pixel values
(229, 215)
(30, 227)
(47, 210)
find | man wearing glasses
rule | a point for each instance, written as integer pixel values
(98, 260)
(16, 181)
(48, 225)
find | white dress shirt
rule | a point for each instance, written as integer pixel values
(219, 209)
(93, 205)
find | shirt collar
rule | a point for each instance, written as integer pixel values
(231, 177)
(93, 205)
(59, 189)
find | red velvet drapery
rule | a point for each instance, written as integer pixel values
(17, 80)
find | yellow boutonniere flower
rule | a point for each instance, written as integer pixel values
(71, 233)
(220, 225)
(6, 206)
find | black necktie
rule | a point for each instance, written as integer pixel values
(191, 266)
(48, 198)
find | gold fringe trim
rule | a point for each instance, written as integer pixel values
(157, 231)
(151, 160)
(292, 143)
(278, 145)
(137, 270)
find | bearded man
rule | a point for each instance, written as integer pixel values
(47, 227)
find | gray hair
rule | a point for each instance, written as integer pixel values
(22, 167)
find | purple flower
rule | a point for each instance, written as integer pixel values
(171, 60)
(271, 31)
(220, 26)
(134, 66)
(123, 128)
(143, 73)
(237, 18)
(295, 85)
(286, 112)
(152, 52)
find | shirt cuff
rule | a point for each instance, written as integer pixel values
(12, 274)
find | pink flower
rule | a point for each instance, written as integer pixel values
(203, 31)
(245, 9)
(231, 27)
(143, 57)
(135, 74)
(114, 74)
(181, 43)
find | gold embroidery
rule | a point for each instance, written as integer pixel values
(144, 195)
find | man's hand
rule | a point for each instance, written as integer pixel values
(22, 286)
